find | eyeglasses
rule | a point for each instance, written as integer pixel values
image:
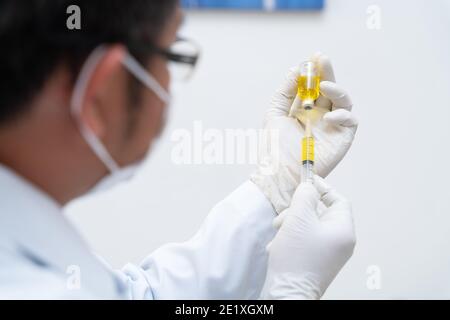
(182, 56)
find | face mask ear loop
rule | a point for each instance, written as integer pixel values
(135, 68)
(77, 102)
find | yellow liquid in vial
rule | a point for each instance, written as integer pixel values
(308, 149)
(308, 87)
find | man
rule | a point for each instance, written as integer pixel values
(80, 109)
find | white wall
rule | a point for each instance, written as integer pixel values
(396, 174)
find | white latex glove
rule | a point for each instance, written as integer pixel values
(278, 173)
(309, 250)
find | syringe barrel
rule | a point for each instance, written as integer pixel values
(308, 149)
(307, 174)
(307, 158)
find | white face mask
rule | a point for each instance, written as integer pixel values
(117, 173)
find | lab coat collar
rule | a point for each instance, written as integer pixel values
(33, 224)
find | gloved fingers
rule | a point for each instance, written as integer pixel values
(326, 74)
(341, 117)
(338, 96)
(323, 102)
(285, 95)
(325, 67)
(268, 246)
(305, 201)
(295, 106)
(278, 221)
(328, 195)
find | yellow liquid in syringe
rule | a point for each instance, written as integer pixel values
(308, 88)
(307, 156)
(307, 150)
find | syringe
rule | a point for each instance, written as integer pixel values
(308, 92)
(307, 153)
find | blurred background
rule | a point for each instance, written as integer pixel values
(392, 57)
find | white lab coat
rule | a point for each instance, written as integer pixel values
(43, 257)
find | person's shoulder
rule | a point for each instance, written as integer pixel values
(20, 278)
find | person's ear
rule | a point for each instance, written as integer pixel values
(110, 65)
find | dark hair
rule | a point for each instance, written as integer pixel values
(35, 39)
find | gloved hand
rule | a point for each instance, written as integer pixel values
(309, 250)
(278, 173)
